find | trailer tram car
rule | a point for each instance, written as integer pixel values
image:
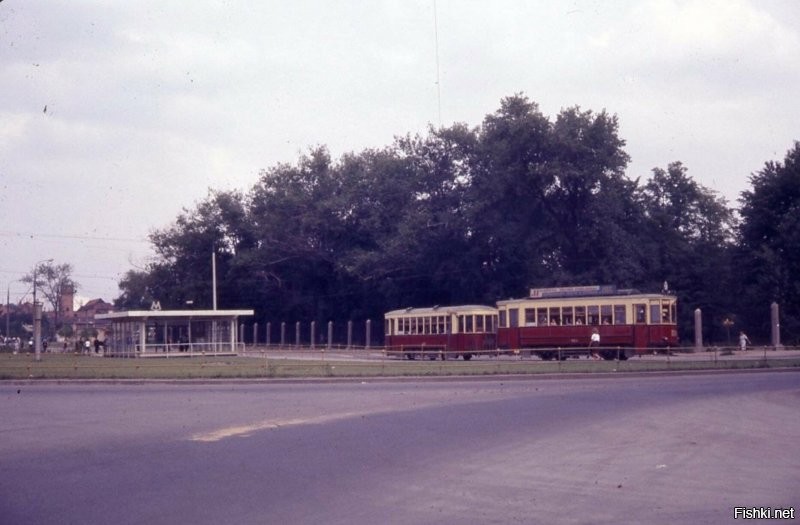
(628, 322)
(440, 332)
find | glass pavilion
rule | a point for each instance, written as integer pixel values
(162, 333)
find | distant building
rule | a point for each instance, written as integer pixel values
(81, 319)
(67, 305)
(84, 317)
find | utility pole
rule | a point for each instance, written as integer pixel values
(8, 309)
(37, 315)
(37, 330)
(214, 277)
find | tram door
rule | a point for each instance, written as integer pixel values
(640, 333)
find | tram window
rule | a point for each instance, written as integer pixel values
(541, 316)
(655, 313)
(502, 319)
(619, 314)
(593, 314)
(605, 314)
(469, 324)
(460, 324)
(387, 323)
(665, 312)
(447, 327)
(555, 316)
(513, 317)
(491, 323)
(580, 315)
(443, 324)
(427, 325)
(530, 317)
(566, 315)
(641, 313)
(674, 311)
(479, 323)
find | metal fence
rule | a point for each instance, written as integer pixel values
(711, 355)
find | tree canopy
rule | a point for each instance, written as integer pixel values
(53, 281)
(464, 214)
(768, 255)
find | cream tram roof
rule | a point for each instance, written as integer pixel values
(588, 294)
(442, 310)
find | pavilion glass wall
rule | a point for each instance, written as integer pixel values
(124, 338)
(167, 336)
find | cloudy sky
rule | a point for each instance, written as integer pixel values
(115, 115)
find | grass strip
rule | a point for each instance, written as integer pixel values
(69, 366)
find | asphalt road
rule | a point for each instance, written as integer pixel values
(656, 449)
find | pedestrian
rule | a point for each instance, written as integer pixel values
(743, 341)
(594, 343)
(87, 347)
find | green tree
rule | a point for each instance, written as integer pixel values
(508, 185)
(549, 200)
(768, 260)
(182, 270)
(53, 281)
(689, 238)
(590, 204)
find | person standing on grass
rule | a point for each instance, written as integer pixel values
(594, 343)
(743, 341)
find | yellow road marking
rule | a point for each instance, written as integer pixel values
(246, 430)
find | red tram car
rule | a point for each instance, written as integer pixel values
(627, 321)
(441, 332)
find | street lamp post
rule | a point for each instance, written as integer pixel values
(727, 323)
